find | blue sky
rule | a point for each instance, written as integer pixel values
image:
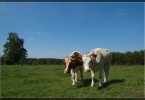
(54, 30)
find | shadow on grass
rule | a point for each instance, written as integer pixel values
(114, 81)
(87, 83)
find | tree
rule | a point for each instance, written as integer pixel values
(13, 49)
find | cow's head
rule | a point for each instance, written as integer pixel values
(88, 61)
(68, 64)
(72, 63)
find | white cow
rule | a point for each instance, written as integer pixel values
(72, 64)
(98, 59)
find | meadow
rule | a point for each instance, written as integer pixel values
(50, 81)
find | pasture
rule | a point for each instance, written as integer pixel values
(50, 81)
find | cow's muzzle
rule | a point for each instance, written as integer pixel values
(86, 70)
(65, 71)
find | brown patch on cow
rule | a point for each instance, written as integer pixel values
(75, 55)
(80, 59)
(76, 61)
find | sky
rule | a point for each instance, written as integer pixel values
(55, 29)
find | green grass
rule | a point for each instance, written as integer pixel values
(50, 81)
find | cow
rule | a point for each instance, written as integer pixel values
(72, 64)
(98, 59)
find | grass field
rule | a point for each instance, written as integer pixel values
(50, 81)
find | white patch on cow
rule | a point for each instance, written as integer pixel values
(93, 76)
(86, 60)
(67, 61)
(73, 77)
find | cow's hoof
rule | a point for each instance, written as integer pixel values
(73, 84)
(92, 86)
(105, 85)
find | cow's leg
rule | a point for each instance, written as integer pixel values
(76, 77)
(106, 73)
(81, 74)
(73, 77)
(100, 76)
(93, 76)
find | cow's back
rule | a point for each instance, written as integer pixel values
(105, 54)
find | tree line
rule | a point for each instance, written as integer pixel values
(128, 58)
(118, 58)
(15, 53)
(35, 61)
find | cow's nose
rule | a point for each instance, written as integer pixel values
(65, 71)
(86, 70)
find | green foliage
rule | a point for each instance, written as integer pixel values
(118, 58)
(43, 61)
(128, 58)
(39, 61)
(13, 49)
(50, 81)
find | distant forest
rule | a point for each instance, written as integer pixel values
(128, 58)
(118, 58)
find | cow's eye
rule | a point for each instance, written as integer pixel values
(94, 55)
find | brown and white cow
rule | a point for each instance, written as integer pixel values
(73, 63)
